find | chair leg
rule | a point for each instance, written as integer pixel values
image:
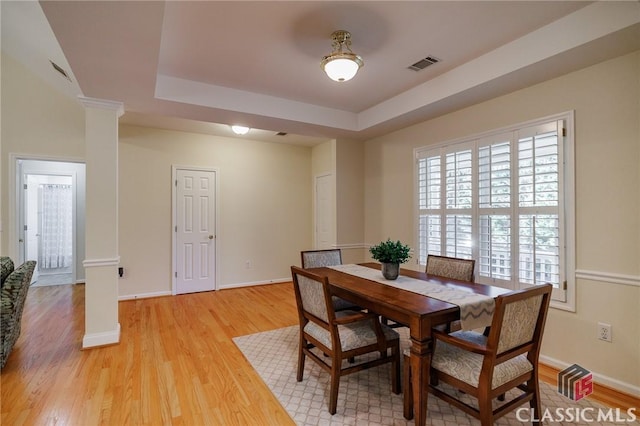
(534, 386)
(408, 390)
(335, 385)
(396, 386)
(486, 409)
(301, 358)
(433, 379)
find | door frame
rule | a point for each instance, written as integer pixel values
(174, 224)
(15, 197)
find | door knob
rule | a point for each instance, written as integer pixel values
(211, 237)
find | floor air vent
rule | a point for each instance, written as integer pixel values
(423, 63)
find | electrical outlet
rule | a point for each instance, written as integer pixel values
(247, 264)
(604, 332)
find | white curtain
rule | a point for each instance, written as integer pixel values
(56, 249)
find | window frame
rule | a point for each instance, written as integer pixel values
(562, 298)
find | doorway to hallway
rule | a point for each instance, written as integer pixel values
(51, 219)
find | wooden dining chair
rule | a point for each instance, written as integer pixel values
(327, 257)
(339, 335)
(454, 268)
(451, 267)
(486, 367)
(319, 258)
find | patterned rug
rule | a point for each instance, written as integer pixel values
(365, 397)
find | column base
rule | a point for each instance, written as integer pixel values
(92, 340)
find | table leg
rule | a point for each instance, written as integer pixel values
(420, 363)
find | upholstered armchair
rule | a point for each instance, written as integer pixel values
(15, 284)
(486, 367)
(339, 336)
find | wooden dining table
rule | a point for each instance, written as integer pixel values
(418, 312)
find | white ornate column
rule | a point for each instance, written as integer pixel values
(102, 259)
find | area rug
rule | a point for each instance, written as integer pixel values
(365, 397)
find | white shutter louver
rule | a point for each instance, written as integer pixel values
(500, 200)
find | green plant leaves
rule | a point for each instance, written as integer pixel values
(390, 252)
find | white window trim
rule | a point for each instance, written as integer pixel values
(567, 202)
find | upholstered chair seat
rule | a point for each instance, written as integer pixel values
(466, 366)
(352, 336)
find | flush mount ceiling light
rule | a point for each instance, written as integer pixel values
(240, 130)
(342, 64)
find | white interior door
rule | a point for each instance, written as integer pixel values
(195, 231)
(324, 209)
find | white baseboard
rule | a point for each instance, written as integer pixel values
(616, 384)
(101, 339)
(249, 284)
(227, 286)
(144, 295)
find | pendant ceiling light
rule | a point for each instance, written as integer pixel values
(342, 64)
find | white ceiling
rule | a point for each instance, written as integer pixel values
(184, 64)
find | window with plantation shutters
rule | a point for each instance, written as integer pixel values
(502, 198)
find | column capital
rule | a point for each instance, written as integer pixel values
(116, 106)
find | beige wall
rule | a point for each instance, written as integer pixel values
(606, 99)
(324, 158)
(264, 206)
(350, 199)
(36, 121)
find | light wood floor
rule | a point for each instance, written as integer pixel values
(176, 363)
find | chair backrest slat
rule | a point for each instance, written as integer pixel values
(319, 258)
(451, 267)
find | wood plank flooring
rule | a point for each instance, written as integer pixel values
(176, 363)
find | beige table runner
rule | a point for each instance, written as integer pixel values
(476, 310)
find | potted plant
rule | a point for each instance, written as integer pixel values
(390, 254)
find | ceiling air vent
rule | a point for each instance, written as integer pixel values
(281, 134)
(423, 63)
(60, 70)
